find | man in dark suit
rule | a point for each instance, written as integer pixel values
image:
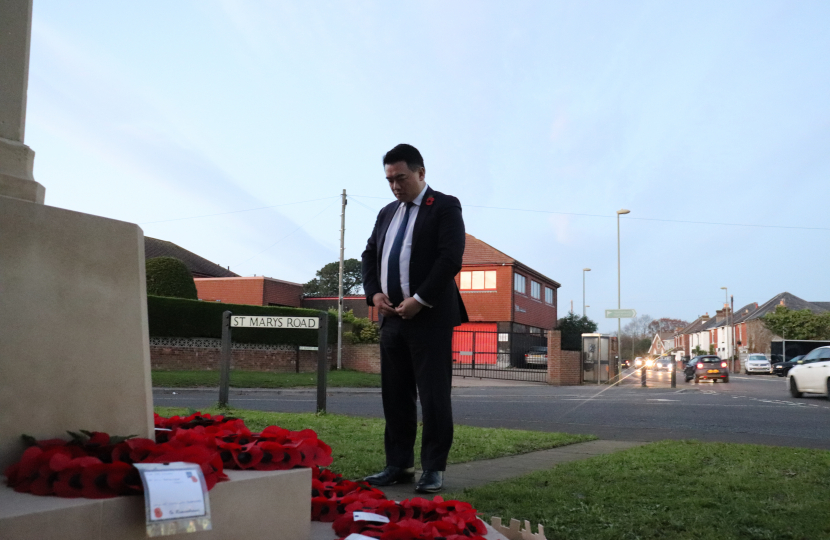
(409, 269)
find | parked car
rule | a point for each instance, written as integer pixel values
(757, 363)
(813, 375)
(536, 356)
(665, 363)
(782, 368)
(707, 366)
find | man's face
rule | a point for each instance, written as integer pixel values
(405, 184)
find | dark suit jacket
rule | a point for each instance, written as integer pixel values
(437, 250)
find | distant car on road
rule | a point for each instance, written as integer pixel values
(536, 356)
(639, 362)
(757, 363)
(707, 367)
(782, 368)
(665, 363)
(813, 375)
(625, 363)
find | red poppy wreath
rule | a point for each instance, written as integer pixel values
(96, 465)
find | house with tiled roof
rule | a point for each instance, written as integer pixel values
(198, 266)
(754, 335)
(686, 338)
(661, 343)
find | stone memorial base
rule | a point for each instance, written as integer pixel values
(74, 343)
(253, 505)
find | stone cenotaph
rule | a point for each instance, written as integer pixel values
(74, 345)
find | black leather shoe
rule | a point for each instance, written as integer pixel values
(430, 482)
(391, 475)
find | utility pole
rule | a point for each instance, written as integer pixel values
(619, 295)
(340, 284)
(734, 341)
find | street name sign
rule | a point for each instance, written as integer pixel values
(620, 313)
(255, 321)
(320, 324)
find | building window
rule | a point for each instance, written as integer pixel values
(478, 280)
(535, 290)
(519, 283)
(548, 295)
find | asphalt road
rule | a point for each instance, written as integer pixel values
(749, 409)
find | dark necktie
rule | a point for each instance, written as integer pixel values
(393, 271)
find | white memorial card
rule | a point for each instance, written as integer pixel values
(368, 516)
(175, 498)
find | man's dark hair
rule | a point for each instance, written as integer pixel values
(407, 153)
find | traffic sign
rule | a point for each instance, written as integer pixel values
(620, 313)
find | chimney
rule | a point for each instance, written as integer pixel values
(719, 315)
(781, 303)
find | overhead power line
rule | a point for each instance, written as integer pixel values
(237, 211)
(292, 232)
(529, 210)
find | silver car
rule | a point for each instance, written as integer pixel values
(757, 363)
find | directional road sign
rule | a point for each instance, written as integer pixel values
(620, 313)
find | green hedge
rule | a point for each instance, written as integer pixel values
(168, 276)
(176, 317)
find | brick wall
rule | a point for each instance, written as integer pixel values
(363, 357)
(564, 367)
(164, 358)
(281, 293)
(256, 291)
(500, 304)
(230, 290)
(489, 305)
(536, 312)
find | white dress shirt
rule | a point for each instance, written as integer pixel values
(406, 249)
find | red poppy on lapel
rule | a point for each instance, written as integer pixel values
(430, 200)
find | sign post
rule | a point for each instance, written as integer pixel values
(225, 360)
(322, 361)
(619, 314)
(321, 324)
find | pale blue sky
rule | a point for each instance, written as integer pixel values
(713, 112)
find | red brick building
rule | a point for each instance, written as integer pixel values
(510, 305)
(498, 289)
(500, 293)
(257, 291)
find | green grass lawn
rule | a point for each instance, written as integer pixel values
(357, 443)
(672, 490)
(261, 379)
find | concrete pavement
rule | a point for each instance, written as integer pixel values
(477, 473)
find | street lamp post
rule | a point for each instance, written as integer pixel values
(726, 309)
(583, 289)
(619, 294)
